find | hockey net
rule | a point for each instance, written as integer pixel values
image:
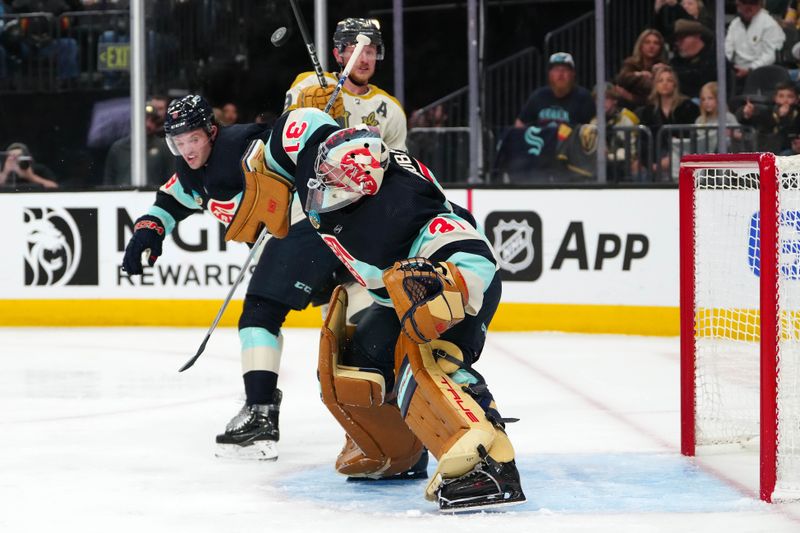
(740, 310)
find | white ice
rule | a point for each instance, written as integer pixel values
(100, 433)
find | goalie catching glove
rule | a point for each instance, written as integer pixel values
(318, 97)
(266, 201)
(428, 298)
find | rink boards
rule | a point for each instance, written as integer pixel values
(586, 260)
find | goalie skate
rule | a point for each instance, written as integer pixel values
(253, 433)
(418, 471)
(489, 485)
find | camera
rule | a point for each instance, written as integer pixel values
(24, 162)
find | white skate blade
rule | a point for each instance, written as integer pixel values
(260, 450)
(466, 508)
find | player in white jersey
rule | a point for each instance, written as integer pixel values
(363, 103)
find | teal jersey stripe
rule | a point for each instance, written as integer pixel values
(186, 200)
(166, 219)
(476, 264)
(273, 164)
(255, 337)
(381, 300)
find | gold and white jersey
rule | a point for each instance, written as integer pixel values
(375, 108)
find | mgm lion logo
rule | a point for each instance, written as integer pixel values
(55, 251)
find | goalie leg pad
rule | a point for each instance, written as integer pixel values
(378, 443)
(448, 421)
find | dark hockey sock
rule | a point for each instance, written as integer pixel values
(259, 386)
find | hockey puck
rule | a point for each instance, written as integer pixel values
(279, 36)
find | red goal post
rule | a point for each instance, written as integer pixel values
(740, 310)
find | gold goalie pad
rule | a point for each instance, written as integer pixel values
(447, 420)
(378, 444)
(266, 201)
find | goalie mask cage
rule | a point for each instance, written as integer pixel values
(740, 310)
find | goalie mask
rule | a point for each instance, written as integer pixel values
(349, 165)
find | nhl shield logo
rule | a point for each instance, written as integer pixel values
(513, 244)
(517, 242)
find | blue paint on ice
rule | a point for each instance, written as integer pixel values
(563, 483)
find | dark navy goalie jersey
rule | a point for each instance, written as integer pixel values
(408, 217)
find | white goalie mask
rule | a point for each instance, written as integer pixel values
(349, 165)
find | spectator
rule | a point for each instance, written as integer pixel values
(666, 106)
(428, 118)
(579, 148)
(620, 121)
(527, 152)
(19, 170)
(160, 162)
(773, 124)
(697, 11)
(40, 41)
(665, 14)
(753, 39)
(794, 145)
(791, 17)
(230, 114)
(635, 79)
(158, 104)
(562, 101)
(709, 116)
(695, 61)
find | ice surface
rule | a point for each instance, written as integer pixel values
(100, 433)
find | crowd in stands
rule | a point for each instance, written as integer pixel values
(663, 102)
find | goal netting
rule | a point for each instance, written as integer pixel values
(740, 310)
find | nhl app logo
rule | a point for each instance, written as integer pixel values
(517, 240)
(61, 246)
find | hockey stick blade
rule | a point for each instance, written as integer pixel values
(224, 306)
(200, 350)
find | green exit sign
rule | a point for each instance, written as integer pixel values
(113, 56)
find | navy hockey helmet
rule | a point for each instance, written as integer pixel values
(185, 114)
(349, 28)
(189, 113)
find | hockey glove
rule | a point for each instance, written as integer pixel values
(148, 234)
(318, 96)
(428, 298)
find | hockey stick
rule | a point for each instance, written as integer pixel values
(361, 42)
(247, 261)
(312, 50)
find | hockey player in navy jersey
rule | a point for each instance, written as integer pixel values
(209, 177)
(404, 379)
